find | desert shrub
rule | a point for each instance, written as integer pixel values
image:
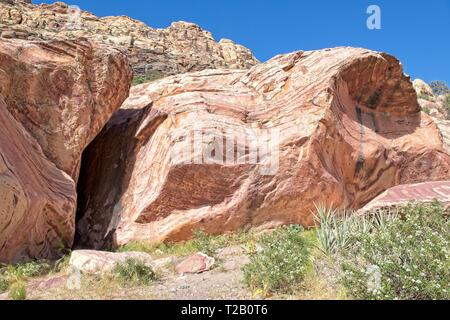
(406, 259)
(426, 110)
(134, 272)
(4, 284)
(209, 244)
(204, 242)
(201, 241)
(425, 97)
(446, 106)
(18, 291)
(439, 88)
(29, 269)
(149, 77)
(137, 246)
(280, 264)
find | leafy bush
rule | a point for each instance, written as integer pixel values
(201, 241)
(439, 88)
(4, 284)
(149, 77)
(446, 106)
(425, 97)
(134, 272)
(29, 269)
(206, 243)
(18, 291)
(406, 259)
(281, 264)
(426, 110)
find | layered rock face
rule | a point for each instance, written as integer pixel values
(180, 48)
(444, 127)
(399, 196)
(434, 106)
(54, 99)
(229, 149)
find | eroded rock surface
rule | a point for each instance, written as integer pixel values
(182, 47)
(100, 263)
(54, 98)
(436, 107)
(336, 126)
(197, 263)
(402, 195)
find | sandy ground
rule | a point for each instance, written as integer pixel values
(223, 282)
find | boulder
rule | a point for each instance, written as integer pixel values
(402, 195)
(100, 262)
(55, 97)
(197, 263)
(222, 150)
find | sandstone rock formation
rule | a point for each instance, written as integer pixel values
(54, 98)
(335, 126)
(422, 88)
(180, 48)
(436, 107)
(197, 263)
(444, 127)
(99, 263)
(15, 1)
(402, 195)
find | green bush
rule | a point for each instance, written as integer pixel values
(149, 77)
(134, 272)
(439, 88)
(425, 97)
(406, 259)
(29, 269)
(281, 264)
(446, 106)
(201, 241)
(4, 284)
(205, 243)
(18, 291)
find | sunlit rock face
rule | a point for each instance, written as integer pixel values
(399, 196)
(55, 97)
(181, 47)
(336, 126)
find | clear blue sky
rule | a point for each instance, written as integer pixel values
(417, 32)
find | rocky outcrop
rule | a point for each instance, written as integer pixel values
(444, 127)
(422, 88)
(399, 196)
(100, 263)
(229, 149)
(54, 99)
(197, 263)
(436, 107)
(180, 48)
(15, 1)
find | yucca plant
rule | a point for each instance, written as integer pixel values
(333, 229)
(336, 229)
